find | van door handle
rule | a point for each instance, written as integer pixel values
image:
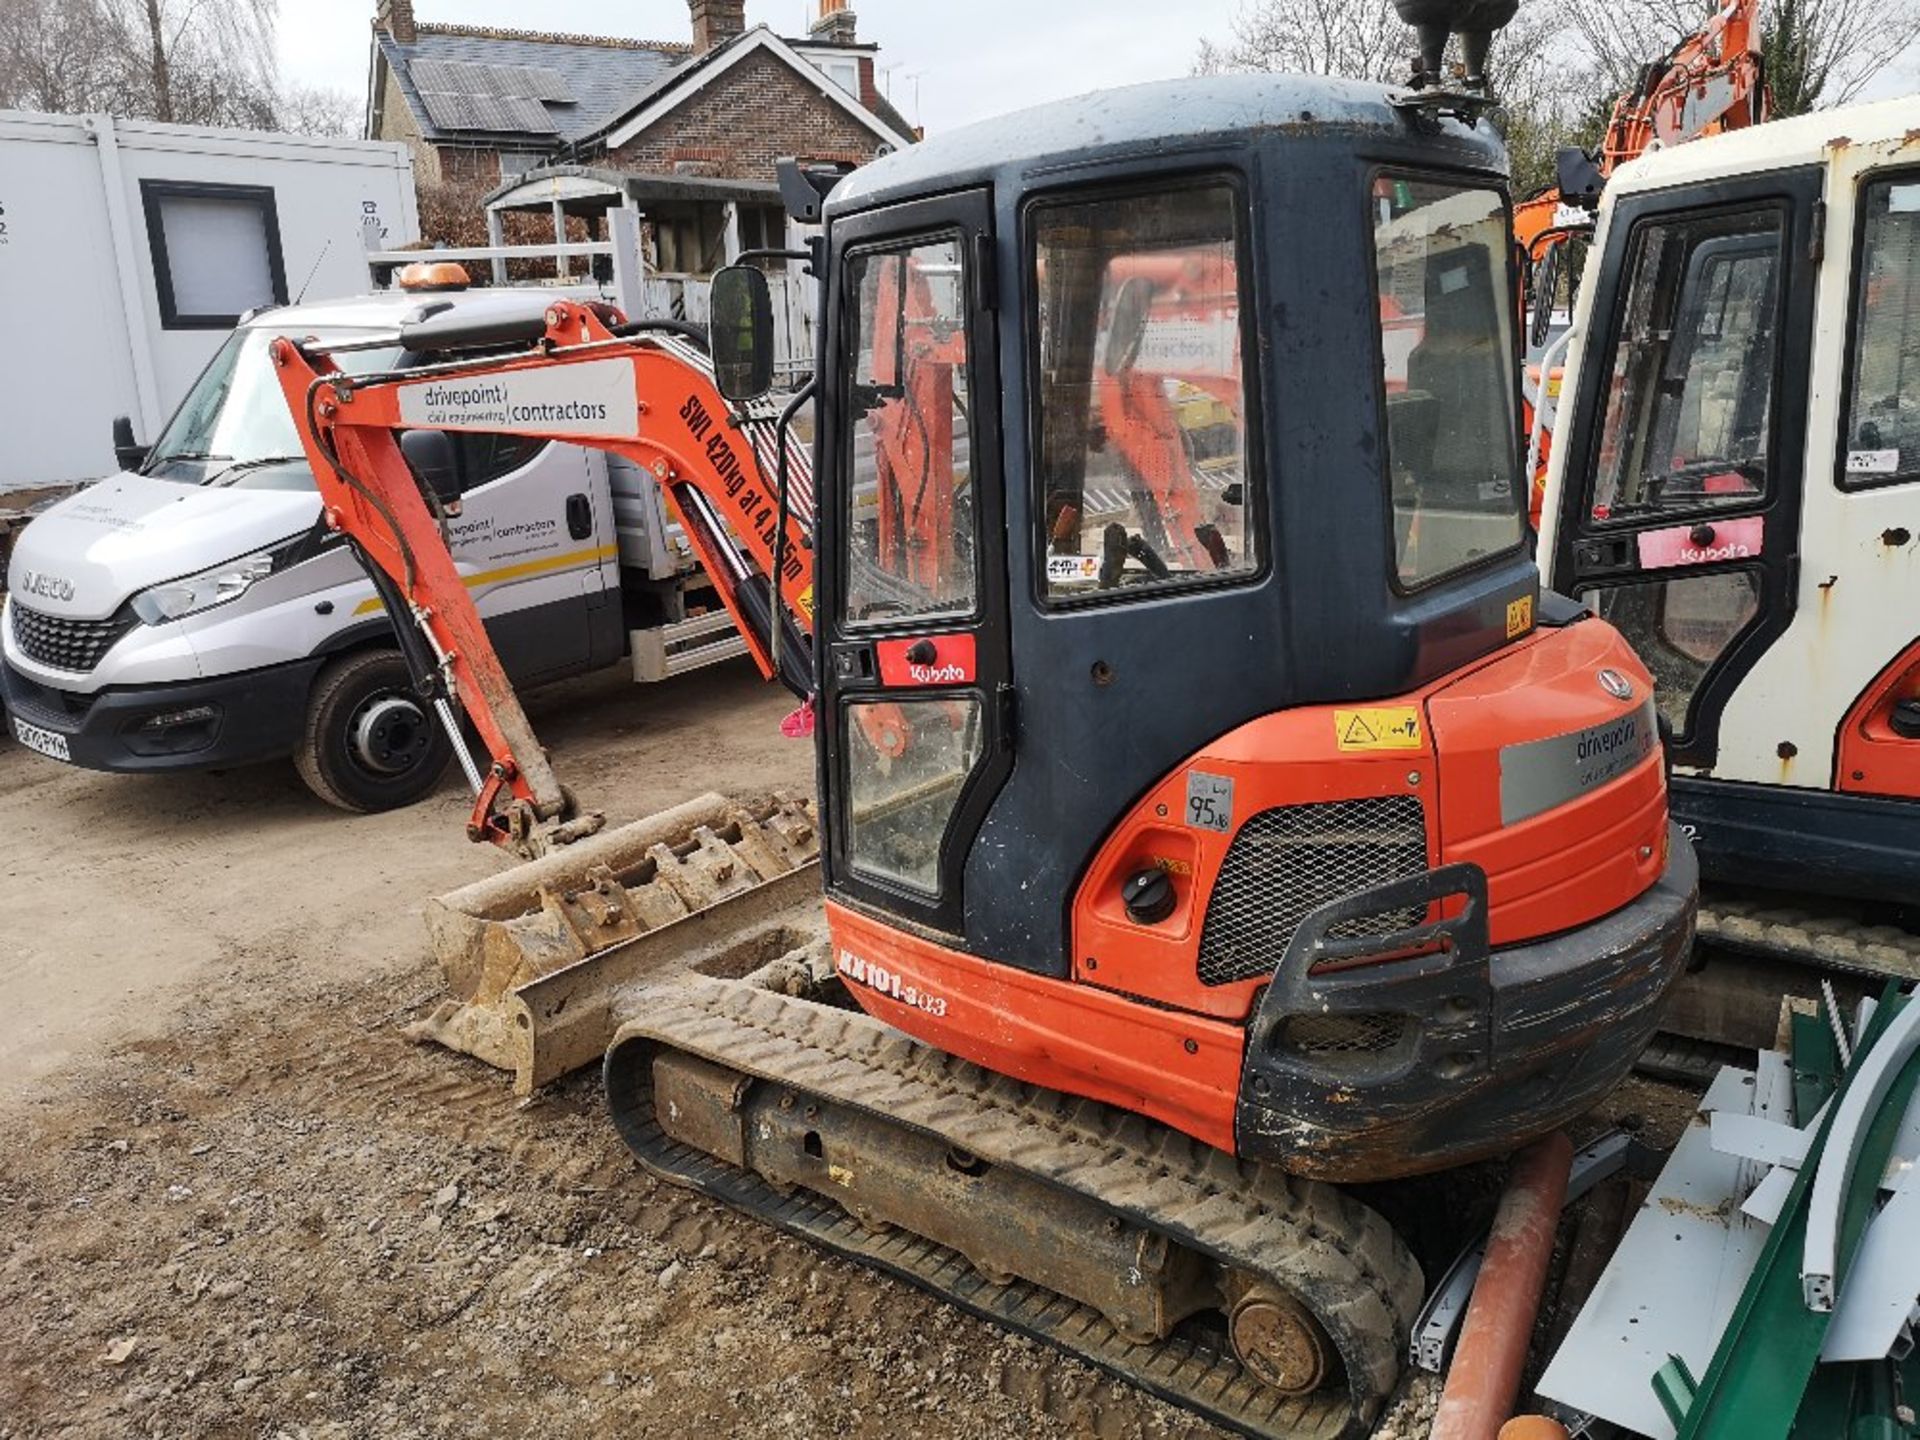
(579, 517)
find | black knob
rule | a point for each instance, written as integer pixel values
(922, 652)
(1148, 896)
(1701, 535)
(1905, 719)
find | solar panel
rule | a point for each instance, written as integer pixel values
(461, 95)
(540, 82)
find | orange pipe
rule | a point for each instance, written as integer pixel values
(1484, 1378)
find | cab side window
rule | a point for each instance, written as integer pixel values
(1882, 440)
(1447, 368)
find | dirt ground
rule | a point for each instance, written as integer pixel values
(236, 1202)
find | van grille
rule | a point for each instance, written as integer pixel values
(1287, 862)
(63, 644)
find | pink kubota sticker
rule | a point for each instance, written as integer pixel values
(1677, 546)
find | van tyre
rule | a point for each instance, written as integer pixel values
(371, 743)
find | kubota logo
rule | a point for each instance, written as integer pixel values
(1615, 684)
(47, 587)
(936, 674)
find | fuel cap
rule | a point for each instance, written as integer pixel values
(1905, 719)
(1148, 896)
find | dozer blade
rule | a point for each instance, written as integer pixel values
(536, 958)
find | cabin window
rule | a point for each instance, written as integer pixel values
(216, 252)
(1141, 409)
(1447, 359)
(1690, 384)
(1882, 442)
(910, 504)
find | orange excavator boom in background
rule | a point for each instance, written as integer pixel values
(1712, 81)
(648, 396)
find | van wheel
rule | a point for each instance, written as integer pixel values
(371, 743)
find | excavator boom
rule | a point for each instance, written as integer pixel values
(649, 397)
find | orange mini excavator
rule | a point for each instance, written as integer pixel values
(1172, 879)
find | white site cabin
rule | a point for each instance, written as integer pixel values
(130, 249)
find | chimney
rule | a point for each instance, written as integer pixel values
(836, 24)
(396, 18)
(715, 22)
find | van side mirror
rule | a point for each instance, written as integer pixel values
(740, 332)
(435, 463)
(126, 453)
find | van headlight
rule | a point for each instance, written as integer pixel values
(194, 593)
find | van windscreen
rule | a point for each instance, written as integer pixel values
(233, 428)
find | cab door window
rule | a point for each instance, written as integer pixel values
(1882, 443)
(1141, 410)
(910, 520)
(909, 548)
(1690, 391)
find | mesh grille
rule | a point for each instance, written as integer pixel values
(1287, 862)
(1344, 1034)
(64, 644)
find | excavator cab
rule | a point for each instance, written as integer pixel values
(1735, 490)
(1103, 729)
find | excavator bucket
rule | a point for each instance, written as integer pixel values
(536, 958)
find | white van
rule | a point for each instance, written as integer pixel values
(193, 611)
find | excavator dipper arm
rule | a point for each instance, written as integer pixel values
(648, 397)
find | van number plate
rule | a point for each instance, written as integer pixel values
(47, 742)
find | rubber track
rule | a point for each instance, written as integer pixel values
(1342, 1259)
(1807, 937)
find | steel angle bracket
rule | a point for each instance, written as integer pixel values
(1440, 1317)
(1768, 1354)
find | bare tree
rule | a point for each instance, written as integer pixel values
(1819, 52)
(199, 62)
(311, 110)
(52, 57)
(1363, 39)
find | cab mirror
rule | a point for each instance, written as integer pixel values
(126, 453)
(430, 454)
(740, 332)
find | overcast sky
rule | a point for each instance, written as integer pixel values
(942, 63)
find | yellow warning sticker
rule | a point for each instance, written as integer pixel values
(1519, 616)
(805, 601)
(1383, 727)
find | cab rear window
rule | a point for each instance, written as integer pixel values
(1447, 359)
(1144, 477)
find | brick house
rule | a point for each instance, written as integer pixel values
(481, 106)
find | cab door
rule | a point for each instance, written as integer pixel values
(915, 723)
(1680, 508)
